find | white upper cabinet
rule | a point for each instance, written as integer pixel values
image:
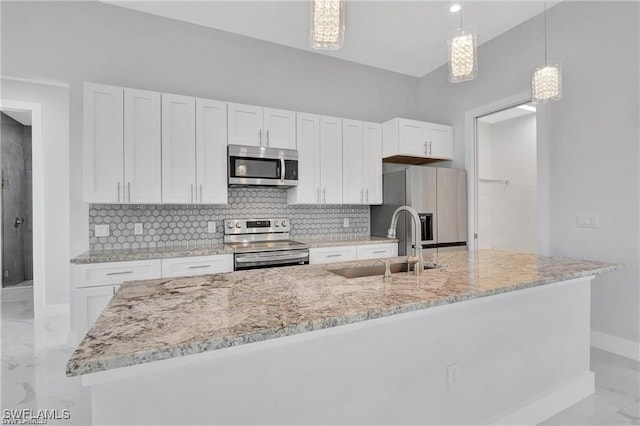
(308, 190)
(372, 162)
(331, 160)
(417, 139)
(211, 152)
(142, 147)
(121, 145)
(352, 162)
(279, 128)
(178, 149)
(245, 125)
(103, 143)
(362, 162)
(257, 126)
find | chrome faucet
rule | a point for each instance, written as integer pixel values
(417, 239)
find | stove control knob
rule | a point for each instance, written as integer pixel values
(229, 225)
(238, 225)
(284, 223)
(276, 224)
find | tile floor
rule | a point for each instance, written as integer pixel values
(34, 355)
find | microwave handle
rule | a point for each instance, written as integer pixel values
(282, 170)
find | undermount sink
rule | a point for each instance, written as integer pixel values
(372, 270)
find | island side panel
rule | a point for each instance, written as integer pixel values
(512, 349)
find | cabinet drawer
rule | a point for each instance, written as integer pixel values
(95, 274)
(332, 254)
(197, 265)
(373, 251)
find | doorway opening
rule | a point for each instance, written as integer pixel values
(17, 207)
(506, 172)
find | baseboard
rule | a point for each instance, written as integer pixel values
(616, 345)
(551, 404)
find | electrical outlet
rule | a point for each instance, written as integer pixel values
(588, 221)
(211, 227)
(101, 230)
(137, 229)
(345, 222)
(453, 376)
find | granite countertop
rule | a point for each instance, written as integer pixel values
(123, 255)
(159, 319)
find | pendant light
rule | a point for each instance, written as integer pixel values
(463, 54)
(546, 80)
(327, 24)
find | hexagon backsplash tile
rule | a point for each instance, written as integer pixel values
(186, 225)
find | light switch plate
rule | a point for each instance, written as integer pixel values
(137, 229)
(345, 222)
(211, 227)
(587, 221)
(101, 230)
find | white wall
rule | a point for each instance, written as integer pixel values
(73, 42)
(54, 101)
(506, 213)
(592, 136)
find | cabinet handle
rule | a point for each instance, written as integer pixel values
(129, 190)
(367, 192)
(118, 191)
(380, 251)
(201, 193)
(318, 195)
(120, 273)
(334, 255)
(199, 266)
(267, 137)
(429, 147)
(192, 193)
(324, 195)
(114, 290)
(426, 151)
(362, 196)
(260, 134)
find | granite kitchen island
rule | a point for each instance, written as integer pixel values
(304, 345)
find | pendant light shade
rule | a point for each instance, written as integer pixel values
(546, 81)
(463, 55)
(327, 24)
(546, 84)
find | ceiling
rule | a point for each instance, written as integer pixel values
(22, 117)
(507, 114)
(408, 37)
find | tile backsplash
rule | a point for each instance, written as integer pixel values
(186, 225)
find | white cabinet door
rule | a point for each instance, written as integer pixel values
(308, 190)
(372, 163)
(374, 251)
(440, 141)
(412, 137)
(245, 125)
(197, 265)
(211, 152)
(279, 128)
(332, 254)
(142, 147)
(178, 149)
(352, 163)
(90, 302)
(331, 159)
(103, 139)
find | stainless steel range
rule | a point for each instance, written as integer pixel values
(263, 243)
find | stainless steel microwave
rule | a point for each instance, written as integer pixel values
(262, 166)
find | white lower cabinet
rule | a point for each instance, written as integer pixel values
(374, 251)
(332, 254)
(346, 253)
(90, 302)
(197, 265)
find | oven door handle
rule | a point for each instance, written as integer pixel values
(282, 170)
(258, 258)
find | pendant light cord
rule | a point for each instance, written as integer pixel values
(545, 32)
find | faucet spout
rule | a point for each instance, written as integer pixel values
(417, 238)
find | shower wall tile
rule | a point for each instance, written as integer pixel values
(170, 225)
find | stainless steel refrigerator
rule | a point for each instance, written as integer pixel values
(438, 194)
